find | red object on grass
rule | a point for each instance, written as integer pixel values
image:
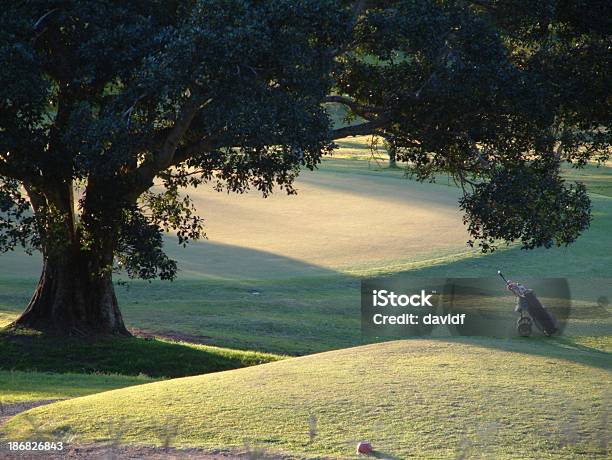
(364, 447)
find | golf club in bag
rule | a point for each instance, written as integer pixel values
(531, 310)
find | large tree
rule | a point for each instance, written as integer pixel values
(102, 99)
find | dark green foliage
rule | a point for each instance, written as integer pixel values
(16, 222)
(498, 94)
(528, 204)
(139, 248)
(112, 97)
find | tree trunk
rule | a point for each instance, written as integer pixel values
(73, 298)
(392, 157)
(75, 293)
(391, 151)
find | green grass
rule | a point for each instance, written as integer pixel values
(282, 276)
(288, 281)
(315, 314)
(598, 179)
(411, 399)
(36, 367)
(19, 386)
(25, 351)
(311, 314)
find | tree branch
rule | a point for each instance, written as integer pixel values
(164, 157)
(355, 106)
(361, 129)
(474, 148)
(188, 151)
(365, 111)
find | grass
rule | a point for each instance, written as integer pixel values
(597, 179)
(317, 314)
(288, 281)
(411, 399)
(37, 367)
(282, 276)
(19, 386)
(25, 351)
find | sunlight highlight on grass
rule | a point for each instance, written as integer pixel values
(411, 399)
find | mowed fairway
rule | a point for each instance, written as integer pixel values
(282, 274)
(345, 216)
(276, 273)
(411, 399)
(338, 221)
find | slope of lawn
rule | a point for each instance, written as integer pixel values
(34, 367)
(281, 276)
(19, 386)
(414, 398)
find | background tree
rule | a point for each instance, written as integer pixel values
(391, 148)
(102, 99)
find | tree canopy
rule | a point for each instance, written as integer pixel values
(102, 99)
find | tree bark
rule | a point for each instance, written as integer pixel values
(75, 294)
(392, 157)
(73, 298)
(391, 151)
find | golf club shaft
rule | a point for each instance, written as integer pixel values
(502, 276)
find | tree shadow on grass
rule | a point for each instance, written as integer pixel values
(28, 351)
(226, 295)
(273, 302)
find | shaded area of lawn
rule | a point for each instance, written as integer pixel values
(19, 386)
(291, 316)
(595, 354)
(27, 351)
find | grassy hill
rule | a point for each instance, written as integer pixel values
(416, 398)
(34, 367)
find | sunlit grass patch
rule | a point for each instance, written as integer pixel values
(411, 399)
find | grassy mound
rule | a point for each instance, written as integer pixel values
(415, 398)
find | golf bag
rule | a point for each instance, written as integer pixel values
(530, 309)
(542, 318)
